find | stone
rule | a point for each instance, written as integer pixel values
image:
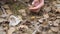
(55, 29)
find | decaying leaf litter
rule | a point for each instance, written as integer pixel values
(47, 21)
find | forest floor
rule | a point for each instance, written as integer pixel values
(47, 21)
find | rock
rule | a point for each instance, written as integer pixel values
(55, 29)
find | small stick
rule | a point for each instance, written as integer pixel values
(4, 12)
